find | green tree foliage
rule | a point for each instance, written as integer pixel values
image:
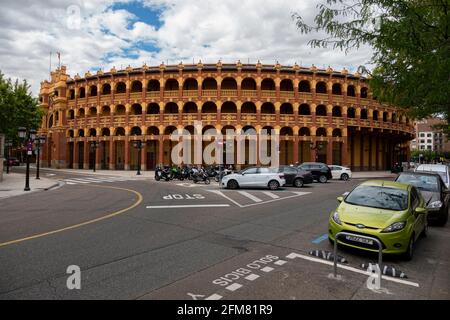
(17, 108)
(411, 48)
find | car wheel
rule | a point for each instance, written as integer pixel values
(323, 179)
(273, 185)
(345, 177)
(410, 252)
(207, 181)
(298, 183)
(232, 184)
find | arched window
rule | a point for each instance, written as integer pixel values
(93, 91)
(70, 134)
(364, 93)
(321, 132)
(81, 112)
(304, 86)
(153, 86)
(337, 111)
(106, 132)
(351, 113)
(248, 107)
(50, 122)
(394, 118)
(92, 132)
(136, 131)
(385, 116)
(228, 107)
(268, 84)
(248, 84)
(286, 108)
(121, 87)
(229, 84)
(209, 84)
(136, 86)
(375, 115)
(72, 94)
(337, 133)
(81, 133)
(286, 85)
(171, 107)
(136, 109)
(71, 114)
(153, 108)
(190, 84)
(337, 89)
(171, 85)
(321, 110)
(286, 131)
(321, 87)
(190, 107)
(209, 107)
(82, 93)
(120, 132)
(106, 111)
(351, 92)
(106, 89)
(304, 132)
(92, 111)
(268, 108)
(120, 110)
(304, 110)
(364, 114)
(169, 130)
(152, 131)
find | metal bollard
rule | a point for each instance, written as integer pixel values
(380, 251)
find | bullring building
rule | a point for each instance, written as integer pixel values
(320, 115)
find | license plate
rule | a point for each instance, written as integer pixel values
(359, 239)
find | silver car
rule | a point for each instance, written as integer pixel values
(441, 169)
(254, 177)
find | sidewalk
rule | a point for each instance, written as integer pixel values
(14, 183)
(373, 175)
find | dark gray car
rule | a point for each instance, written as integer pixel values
(433, 190)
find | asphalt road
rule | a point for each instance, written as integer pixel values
(142, 239)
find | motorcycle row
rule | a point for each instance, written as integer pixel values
(193, 173)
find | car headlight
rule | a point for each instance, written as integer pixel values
(435, 205)
(336, 218)
(395, 227)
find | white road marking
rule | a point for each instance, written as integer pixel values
(250, 196)
(234, 287)
(215, 296)
(75, 181)
(267, 269)
(252, 277)
(280, 262)
(190, 206)
(270, 194)
(222, 194)
(226, 197)
(296, 255)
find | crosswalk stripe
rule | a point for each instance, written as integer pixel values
(250, 196)
(270, 194)
(76, 181)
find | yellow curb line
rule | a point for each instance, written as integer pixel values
(138, 202)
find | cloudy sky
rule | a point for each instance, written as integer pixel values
(99, 34)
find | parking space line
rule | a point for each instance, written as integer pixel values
(226, 197)
(280, 262)
(214, 296)
(252, 277)
(267, 269)
(348, 268)
(234, 287)
(250, 196)
(190, 206)
(271, 195)
(320, 239)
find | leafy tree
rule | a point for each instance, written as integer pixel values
(411, 48)
(17, 108)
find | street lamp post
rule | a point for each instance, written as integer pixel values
(138, 144)
(94, 146)
(39, 142)
(8, 145)
(27, 136)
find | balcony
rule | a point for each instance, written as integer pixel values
(248, 117)
(106, 99)
(229, 93)
(190, 93)
(209, 117)
(229, 117)
(322, 97)
(209, 93)
(268, 94)
(287, 118)
(136, 96)
(171, 118)
(189, 117)
(135, 119)
(305, 95)
(171, 94)
(305, 119)
(120, 97)
(287, 94)
(351, 100)
(152, 118)
(268, 118)
(249, 93)
(153, 94)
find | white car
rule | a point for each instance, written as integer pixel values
(254, 177)
(341, 173)
(441, 169)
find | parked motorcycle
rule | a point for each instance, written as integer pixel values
(162, 173)
(201, 175)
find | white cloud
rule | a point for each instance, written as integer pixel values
(206, 30)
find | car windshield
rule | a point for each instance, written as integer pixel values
(379, 197)
(425, 182)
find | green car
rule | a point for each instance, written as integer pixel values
(394, 213)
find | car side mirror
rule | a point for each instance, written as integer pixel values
(420, 210)
(345, 194)
(340, 199)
